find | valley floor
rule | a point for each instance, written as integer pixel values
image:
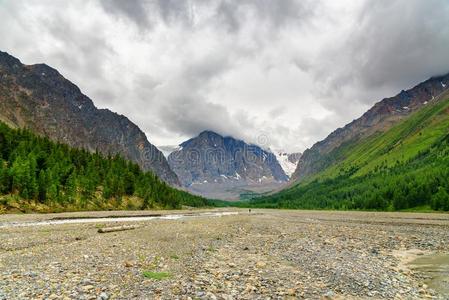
(266, 254)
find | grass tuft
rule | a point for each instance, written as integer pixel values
(156, 275)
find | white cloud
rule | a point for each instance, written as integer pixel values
(282, 72)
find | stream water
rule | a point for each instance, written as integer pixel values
(110, 219)
(435, 269)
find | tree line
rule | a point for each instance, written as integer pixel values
(422, 181)
(33, 168)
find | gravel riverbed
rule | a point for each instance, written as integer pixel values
(267, 254)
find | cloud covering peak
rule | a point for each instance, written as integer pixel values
(281, 73)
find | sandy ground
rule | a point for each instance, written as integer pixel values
(268, 254)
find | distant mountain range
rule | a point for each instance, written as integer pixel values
(225, 167)
(287, 161)
(401, 135)
(39, 98)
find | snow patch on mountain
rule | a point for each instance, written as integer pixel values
(285, 160)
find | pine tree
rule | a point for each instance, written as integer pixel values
(440, 200)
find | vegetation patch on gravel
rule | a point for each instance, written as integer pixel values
(156, 275)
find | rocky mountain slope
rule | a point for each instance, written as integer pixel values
(382, 116)
(405, 167)
(37, 97)
(217, 166)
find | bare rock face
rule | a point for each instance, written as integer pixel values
(379, 118)
(37, 97)
(213, 163)
(294, 157)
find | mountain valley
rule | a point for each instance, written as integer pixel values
(224, 150)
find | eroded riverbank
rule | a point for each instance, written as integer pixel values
(276, 254)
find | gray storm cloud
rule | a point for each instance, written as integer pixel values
(134, 10)
(401, 42)
(230, 14)
(288, 71)
(394, 45)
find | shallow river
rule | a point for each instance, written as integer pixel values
(58, 221)
(435, 269)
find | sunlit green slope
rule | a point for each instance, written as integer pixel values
(404, 167)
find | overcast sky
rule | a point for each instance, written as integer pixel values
(280, 73)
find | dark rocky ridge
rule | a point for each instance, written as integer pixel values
(211, 160)
(37, 97)
(379, 118)
(294, 157)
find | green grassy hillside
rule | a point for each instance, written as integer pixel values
(404, 167)
(39, 175)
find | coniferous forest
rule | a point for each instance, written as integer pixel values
(422, 182)
(41, 175)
